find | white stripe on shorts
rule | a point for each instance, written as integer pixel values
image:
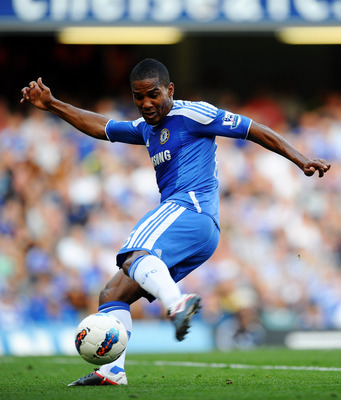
(153, 227)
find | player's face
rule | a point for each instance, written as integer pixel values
(153, 99)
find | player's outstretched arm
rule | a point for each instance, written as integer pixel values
(271, 140)
(88, 122)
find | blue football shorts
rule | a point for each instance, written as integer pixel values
(183, 239)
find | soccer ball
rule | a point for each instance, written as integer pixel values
(101, 338)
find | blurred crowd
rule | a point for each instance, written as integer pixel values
(68, 202)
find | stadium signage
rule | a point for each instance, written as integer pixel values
(187, 13)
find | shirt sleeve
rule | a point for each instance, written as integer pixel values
(225, 124)
(124, 132)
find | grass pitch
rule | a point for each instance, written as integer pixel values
(260, 374)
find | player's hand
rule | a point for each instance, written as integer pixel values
(318, 164)
(37, 94)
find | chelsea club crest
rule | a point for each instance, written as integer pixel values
(164, 136)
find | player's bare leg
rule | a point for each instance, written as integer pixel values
(121, 288)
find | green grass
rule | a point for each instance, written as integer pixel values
(26, 378)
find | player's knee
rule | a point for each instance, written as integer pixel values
(120, 288)
(131, 257)
(125, 267)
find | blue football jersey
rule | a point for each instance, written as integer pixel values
(182, 149)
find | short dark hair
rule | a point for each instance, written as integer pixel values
(148, 69)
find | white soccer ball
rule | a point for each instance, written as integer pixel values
(101, 338)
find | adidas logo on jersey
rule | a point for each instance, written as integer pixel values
(158, 252)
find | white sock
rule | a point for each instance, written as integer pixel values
(152, 274)
(121, 311)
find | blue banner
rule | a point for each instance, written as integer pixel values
(54, 338)
(213, 14)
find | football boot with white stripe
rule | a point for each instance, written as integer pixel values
(181, 313)
(98, 379)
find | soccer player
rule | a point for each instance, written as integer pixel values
(183, 231)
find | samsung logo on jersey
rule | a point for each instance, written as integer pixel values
(161, 157)
(232, 120)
